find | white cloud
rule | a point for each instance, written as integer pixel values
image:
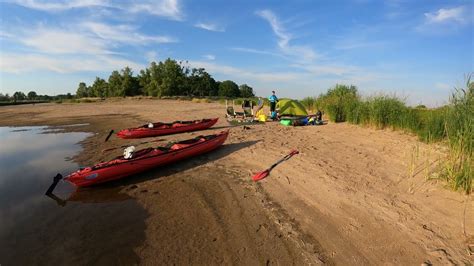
(21, 63)
(255, 51)
(446, 20)
(151, 56)
(442, 86)
(336, 70)
(209, 57)
(163, 8)
(348, 44)
(443, 15)
(209, 27)
(58, 41)
(4, 34)
(53, 6)
(85, 47)
(123, 33)
(305, 53)
(239, 73)
(85, 38)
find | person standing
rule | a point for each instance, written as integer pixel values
(273, 101)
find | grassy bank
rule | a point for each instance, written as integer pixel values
(453, 123)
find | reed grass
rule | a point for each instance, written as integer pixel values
(453, 123)
(459, 128)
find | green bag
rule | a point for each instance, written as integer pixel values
(286, 122)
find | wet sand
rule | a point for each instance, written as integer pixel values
(353, 195)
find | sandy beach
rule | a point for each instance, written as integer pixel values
(353, 195)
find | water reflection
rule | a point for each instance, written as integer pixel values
(34, 230)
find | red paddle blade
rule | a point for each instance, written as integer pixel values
(294, 152)
(260, 175)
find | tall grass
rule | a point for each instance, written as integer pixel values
(338, 101)
(431, 126)
(309, 103)
(379, 111)
(459, 128)
(453, 123)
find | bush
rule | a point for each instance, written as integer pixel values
(338, 101)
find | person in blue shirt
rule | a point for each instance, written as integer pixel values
(273, 101)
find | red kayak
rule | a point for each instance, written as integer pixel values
(160, 129)
(146, 159)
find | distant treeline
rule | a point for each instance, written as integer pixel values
(168, 78)
(32, 96)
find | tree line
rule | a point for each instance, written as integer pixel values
(19, 96)
(168, 78)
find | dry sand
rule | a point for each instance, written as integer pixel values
(352, 196)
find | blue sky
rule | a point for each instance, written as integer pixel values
(418, 50)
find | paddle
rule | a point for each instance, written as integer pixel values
(54, 184)
(108, 136)
(265, 173)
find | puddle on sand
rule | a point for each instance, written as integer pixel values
(96, 226)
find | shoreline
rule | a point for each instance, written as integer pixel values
(344, 199)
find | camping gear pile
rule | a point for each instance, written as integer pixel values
(293, 113)
(247, 115)
(289, 112)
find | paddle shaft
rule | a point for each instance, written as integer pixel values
(288, 156)
(54, 184)
(108, 136)
(265, 173)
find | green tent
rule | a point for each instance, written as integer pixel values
(288, 107)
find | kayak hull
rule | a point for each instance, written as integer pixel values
(160, 129)
(152, 158)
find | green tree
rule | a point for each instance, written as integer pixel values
(32, 95)
(229, 88)
(144, 81)
(215, 89)
(4, 98)
(129, 84)
(173, 78)
(99, 88)
(200, 83)
(246, 91)
(339, 101)
(82, 90)
(115, 84)
(19, 96)
(151, 78)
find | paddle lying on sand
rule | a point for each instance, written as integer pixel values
(265, 173)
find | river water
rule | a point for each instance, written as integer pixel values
(92, 226)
